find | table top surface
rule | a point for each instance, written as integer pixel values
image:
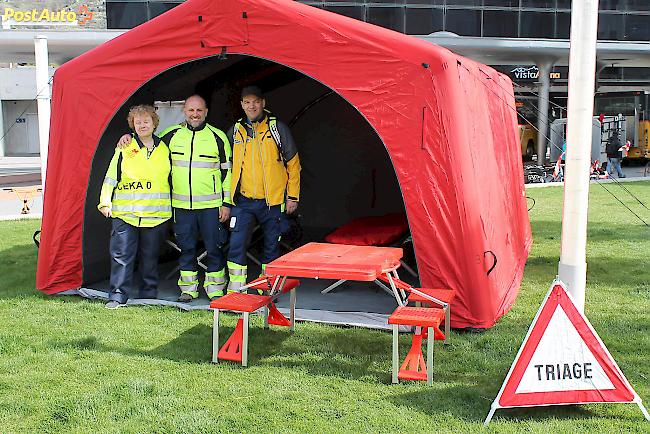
(336, 261)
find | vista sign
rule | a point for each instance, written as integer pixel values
(36, 17)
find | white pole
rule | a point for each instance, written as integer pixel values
(2, 131)
(43, 98)
(582, 69)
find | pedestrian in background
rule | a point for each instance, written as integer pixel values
(614, 154)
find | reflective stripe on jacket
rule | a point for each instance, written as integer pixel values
(201, 166)
(136, 187)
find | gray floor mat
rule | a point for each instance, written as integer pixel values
(359, 304)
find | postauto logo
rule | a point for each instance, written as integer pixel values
(47, 16)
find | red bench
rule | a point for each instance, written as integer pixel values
(443, 295)
(235, 348)
(442, 298)
(414, 367)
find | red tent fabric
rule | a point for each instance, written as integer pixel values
(448, 124)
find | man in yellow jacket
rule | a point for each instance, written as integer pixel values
(265, 182)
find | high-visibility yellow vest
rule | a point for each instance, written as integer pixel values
(136, 187)
(201, 166)
(259, 170)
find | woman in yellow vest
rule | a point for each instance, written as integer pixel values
(136, 196)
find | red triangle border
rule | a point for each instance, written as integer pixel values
(558, 296)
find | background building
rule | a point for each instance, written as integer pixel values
(525, 39)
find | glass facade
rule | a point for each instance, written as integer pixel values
(618, 20)
(126, 14)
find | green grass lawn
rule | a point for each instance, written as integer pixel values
(69, 365)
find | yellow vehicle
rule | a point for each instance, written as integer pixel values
(528, 140)
(642, 149)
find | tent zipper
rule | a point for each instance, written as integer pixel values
(259, 147)
(189, 171)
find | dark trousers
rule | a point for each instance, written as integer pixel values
(188, 226)
(127, 243)
(242, 223)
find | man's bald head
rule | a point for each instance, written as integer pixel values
(195, 110)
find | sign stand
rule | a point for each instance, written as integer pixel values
(563, 361)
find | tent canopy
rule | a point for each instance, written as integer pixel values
(447, 123)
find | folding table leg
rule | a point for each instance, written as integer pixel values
(430, 341)
(408, 268)
(332, 286)
(380, 284)
(244, 343)
(400, 301)
(447, 326)
(292, 309)
(215, 337)
(253, 258)
(395, 370)
(401, 291)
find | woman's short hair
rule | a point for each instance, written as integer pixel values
(143, 109)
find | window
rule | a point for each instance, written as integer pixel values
(611, 27)
(389, 17)
(610, 5)
(421, 21)
(464, 22)
(464, 2)
(537, 25)
(636, 5)
(615, 105)
(611, 73)
(425, 2)
(158, 8)
(640, 74)
(563, 25)
(537, 3)
(637, 27)
(125, 15)
(500, 23)
(502, 3)
(356, 12)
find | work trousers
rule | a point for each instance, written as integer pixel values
(188, 226)
(127, 243)
(243, 217)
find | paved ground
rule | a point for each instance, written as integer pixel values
(20, 171)
(20, 180)
(632, 173)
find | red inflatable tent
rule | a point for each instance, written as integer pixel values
(448, 125)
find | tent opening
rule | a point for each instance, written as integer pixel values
(346, 172)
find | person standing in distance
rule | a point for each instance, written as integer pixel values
(614, 154)
(201, 171)
(265, 182)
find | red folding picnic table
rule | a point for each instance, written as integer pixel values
(341, 262)
(370, 264)
(347, 262)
